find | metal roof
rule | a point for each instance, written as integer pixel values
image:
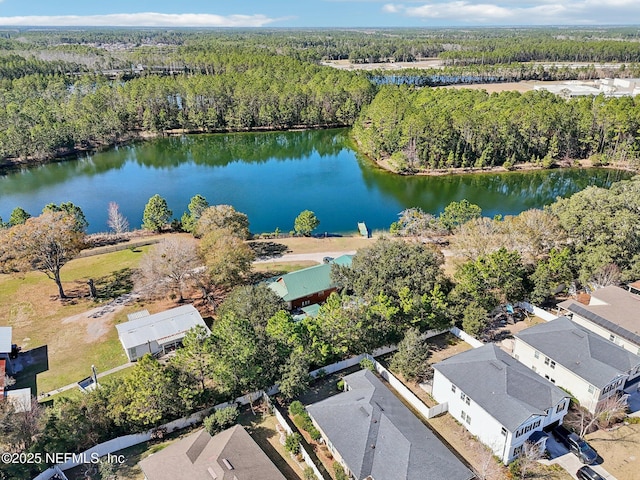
(505, 388)
(379, 437)
(587, 354)
(163, 327)
(305, 282)
(5, 339)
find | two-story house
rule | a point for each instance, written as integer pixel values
(589, 366)
(498, 399)
(612, 313)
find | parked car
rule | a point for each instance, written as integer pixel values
(588, 473)
(576, 445)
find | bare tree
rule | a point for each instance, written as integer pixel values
(534, 233)
(45, 243)
(605, 276)
(607, 412)
(116, 221)
(477, 237)
(168, 268)
(528, 458)
(487, 465)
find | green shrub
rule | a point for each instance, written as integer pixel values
(340, 385)
(221, 419)
(308, 474)
(340, 475)
(296, 408)
(314, 433)
(292, 443)
(368, 364)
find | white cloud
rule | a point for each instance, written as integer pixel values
(148, 19)
(527, 12)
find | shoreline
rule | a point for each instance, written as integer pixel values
(8, 165)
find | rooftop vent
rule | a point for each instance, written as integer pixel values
(496, 365)
(212, 473)
(227, 464)
(577, 333)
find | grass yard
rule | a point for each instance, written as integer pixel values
(317, 245)
(59, 343)
(620, 449)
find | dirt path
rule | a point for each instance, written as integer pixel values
(297, 257)
(97, 321)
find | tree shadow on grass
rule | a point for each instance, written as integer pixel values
(107, 287)
(265, 250)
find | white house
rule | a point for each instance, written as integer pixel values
(590, 367)
(158, 333)
(498, 399)
(5, 349)
(612, 313)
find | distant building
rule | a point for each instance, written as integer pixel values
(590, 367)
(376, 437)
(158, 333)
(307, 286)
(612, 312)
(498, 399)
(609, 87)
(229, 455)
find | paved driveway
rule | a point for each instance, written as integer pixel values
(560, 454)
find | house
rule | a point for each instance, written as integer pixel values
(376, 437)
(498, 399)
(158, 333)
(612, 313)
(6, 347)
(229, 455)
(590, 367)
(307, 286)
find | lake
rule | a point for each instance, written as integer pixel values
(272, 177)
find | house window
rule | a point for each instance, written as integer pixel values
(560, 407)
(591, 389)
(453, 388)
(306, 302)
(552, 364)
(463, 416)
(536, 354)
(518, 450)
(546, 360)
(550, 379)
(517, 357)
(503, 431)
(462, 396)
(533, 367)
(468, 400)
(468, 419)
(612, 338)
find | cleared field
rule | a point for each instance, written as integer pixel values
(59, 342)
(620, 449)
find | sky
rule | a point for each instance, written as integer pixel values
(317, 13)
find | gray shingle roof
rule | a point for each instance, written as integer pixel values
(162, 327)
(505, 388)
(198, 455)
(613, 308)
(591, 357)
(378, 436)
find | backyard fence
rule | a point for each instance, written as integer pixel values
(537, 311)
(287, 428)
(462, 335)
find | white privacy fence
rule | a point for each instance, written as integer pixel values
(537, 311)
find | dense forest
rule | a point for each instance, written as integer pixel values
(63, 91)
(443, 128)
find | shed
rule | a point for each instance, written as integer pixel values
(158, 333)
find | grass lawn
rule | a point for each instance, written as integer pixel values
(59, 344)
